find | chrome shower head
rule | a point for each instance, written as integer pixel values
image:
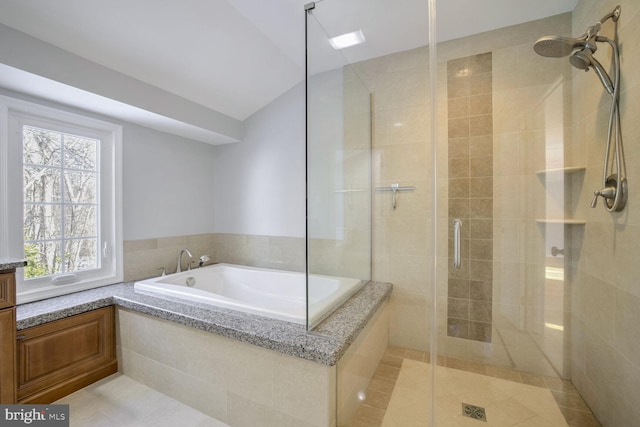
(558, 46)
(583, 59)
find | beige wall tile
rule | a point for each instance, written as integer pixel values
(228, 371)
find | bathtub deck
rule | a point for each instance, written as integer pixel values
(326, 344)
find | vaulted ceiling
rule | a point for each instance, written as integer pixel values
(236, 56)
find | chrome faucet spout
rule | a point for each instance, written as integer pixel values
(179, 267)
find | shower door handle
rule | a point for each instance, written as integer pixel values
(457, 225)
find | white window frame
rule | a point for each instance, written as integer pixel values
(13, 114)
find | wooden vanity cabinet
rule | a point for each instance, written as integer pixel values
(7, 337)
(63, 356)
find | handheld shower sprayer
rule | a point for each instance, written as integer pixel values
(583, 59)
(580, 51)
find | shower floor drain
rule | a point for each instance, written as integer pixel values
(475, 412)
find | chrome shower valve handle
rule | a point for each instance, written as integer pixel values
(607, 193)
(614, 194)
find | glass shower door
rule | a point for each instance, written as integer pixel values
(507, 175)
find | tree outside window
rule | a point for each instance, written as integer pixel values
(61, 202)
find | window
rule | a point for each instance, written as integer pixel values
(62, 210)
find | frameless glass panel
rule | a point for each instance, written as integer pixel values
(508, 178)
(338, 176)
(390, 69)
(530, 281)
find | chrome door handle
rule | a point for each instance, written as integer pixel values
(457, 260)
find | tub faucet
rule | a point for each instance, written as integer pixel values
(203, 259)
(179, 267)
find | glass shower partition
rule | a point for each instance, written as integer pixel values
(338, 175)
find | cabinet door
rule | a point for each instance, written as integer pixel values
(63, 356)
(7, 290)
(8, 356)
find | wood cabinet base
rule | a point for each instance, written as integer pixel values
(58, 358)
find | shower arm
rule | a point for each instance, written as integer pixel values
(614, 14)
(592, 31)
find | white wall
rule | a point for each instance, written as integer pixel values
(260, 181)
(154, 106)
(326, 155)
(168, 185)
(167, 180)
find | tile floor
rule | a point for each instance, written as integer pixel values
(400, 391)
(398, 396)
(119, 401)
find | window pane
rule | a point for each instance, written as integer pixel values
(41, 185)
(80, 153)
(44, 258)
(80, 187)
(81, 254)
(41, 147)
(80, 221)
(42, 222)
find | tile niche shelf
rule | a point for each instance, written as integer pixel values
(554, 175)
(567, 221)
(558, 172)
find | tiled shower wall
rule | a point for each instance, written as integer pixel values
(470, 134)
(606, 301)
(402, 154)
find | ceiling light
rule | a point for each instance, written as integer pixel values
(347, 40)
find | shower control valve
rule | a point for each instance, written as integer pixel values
(614, 194)
(607, 193)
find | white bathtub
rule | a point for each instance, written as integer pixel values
(272, 293)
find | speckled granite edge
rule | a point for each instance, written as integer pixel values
(343, 325)
(325, 344)
(11, 263)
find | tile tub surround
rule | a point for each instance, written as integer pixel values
(325, 345)
(242, 384)
(146, 257)
(287, 377)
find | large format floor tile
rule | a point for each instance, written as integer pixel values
(401, 391)
(119, 401)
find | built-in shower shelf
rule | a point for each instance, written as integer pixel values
(560, 171)
(561, 221)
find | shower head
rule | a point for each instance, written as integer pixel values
(558, 46)
(581, 49)
(583, 59)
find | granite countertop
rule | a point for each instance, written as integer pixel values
(325, 344)
(12, 263)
